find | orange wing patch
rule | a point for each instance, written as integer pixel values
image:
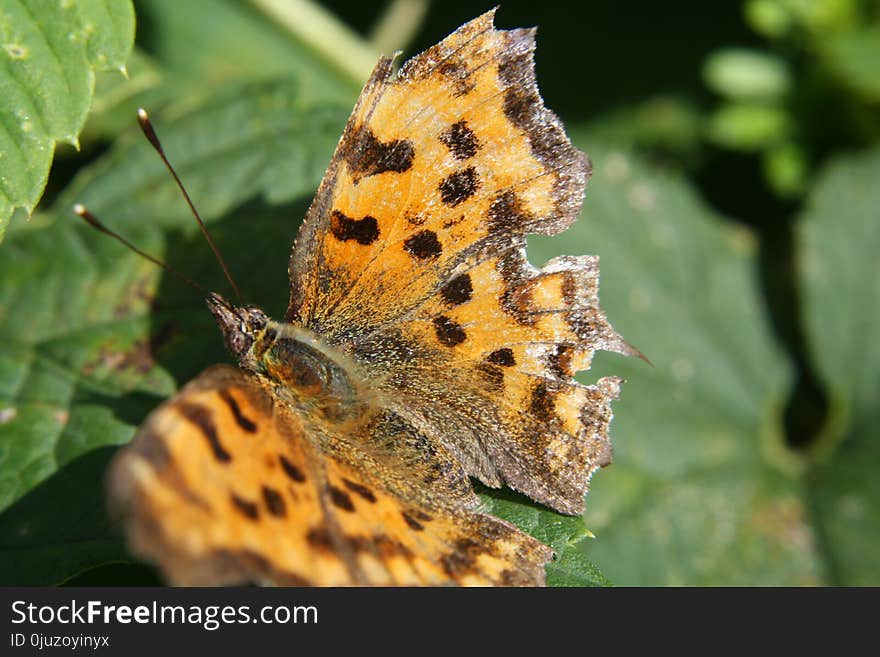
(222, 485)
(450, 159)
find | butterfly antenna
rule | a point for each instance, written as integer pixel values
(81, 211)
(150, 133)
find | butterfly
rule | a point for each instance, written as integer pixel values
(420, 349)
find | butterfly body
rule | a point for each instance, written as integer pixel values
(292, 362)
(420, 349)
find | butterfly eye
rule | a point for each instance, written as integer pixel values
(253, 320)
(239, 342)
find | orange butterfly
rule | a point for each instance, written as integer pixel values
(420, 348)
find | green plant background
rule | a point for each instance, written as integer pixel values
(735, 205)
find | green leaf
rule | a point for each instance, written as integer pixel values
(746, 74)
(117, 98)
(92, 337)
(768, 17)
(839, 238)
(786, 169)
(48, 56)
(250, 139)
(749, 126)
(209, 42)
(108, 27)
(564, 534)
(666, 123)
(855, 56)
(817, 18)
(60, 529)
(702, 490)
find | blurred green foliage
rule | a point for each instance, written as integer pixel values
(734, 205)
(820, 59)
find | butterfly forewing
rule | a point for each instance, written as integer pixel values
(412, 258)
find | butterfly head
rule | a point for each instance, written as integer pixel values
(242, 327)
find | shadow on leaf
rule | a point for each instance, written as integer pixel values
(61, 526)
(255, 240)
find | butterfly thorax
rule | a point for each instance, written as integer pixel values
(293, 361)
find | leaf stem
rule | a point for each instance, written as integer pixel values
(321, 31)
(398, 24)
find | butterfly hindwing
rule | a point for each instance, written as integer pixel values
(210, 486)
(224, 485)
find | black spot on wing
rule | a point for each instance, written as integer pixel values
(459, 290)
(414, 524)
(460, 140)
(423, 245)
(319, 538)
(360, 490)
(458, 187)
(366, 155)
(201, 417)
(248, 509)
(291, 470)
(503, 356)
(341, 499)
(542, 403)
(274, 502)
(449, 332)
(363, 231)
(245, 423)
